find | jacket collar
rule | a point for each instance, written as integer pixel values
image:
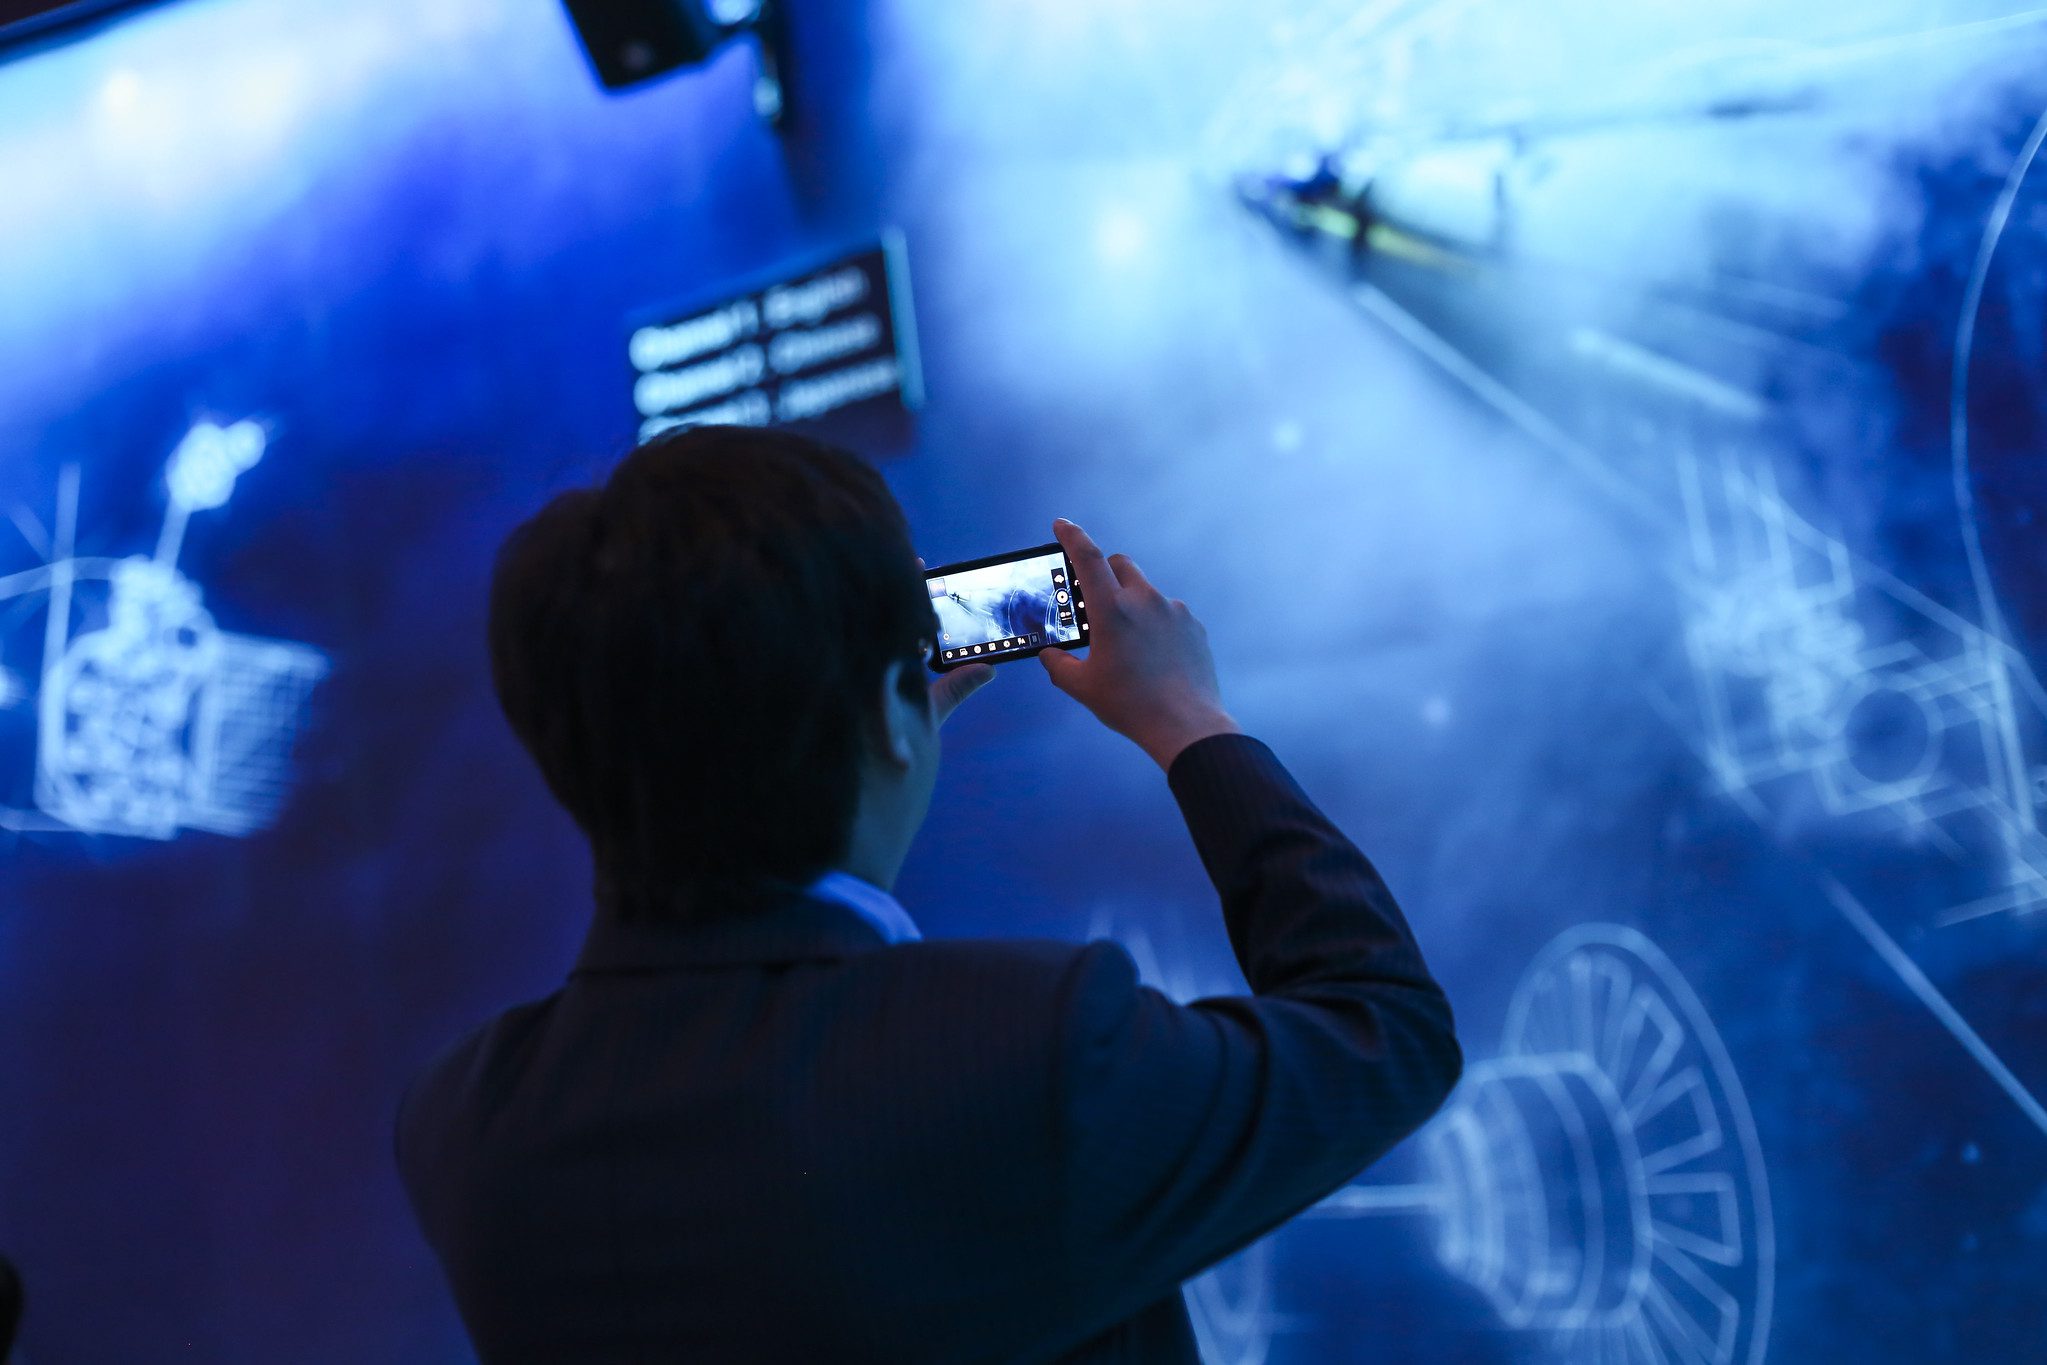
(780, 925)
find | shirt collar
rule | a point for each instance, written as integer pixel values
(836, 917)
(868, 901)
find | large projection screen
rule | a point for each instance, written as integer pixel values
(1603, 439)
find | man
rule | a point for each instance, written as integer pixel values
(763, 1120)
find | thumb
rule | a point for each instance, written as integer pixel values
(1064, 669)
(953, 688)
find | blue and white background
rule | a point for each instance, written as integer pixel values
(1603, 438)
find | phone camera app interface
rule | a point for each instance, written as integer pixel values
(1005, 608)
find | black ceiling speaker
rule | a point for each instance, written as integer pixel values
(632, 40)
(21, 19)
(20, 11)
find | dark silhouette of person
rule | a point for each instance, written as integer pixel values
(763, 1119)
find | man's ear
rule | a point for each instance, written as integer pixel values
(905, 713)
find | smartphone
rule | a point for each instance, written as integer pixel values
(1005, 607)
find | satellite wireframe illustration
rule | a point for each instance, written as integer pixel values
(150, 718)
(1796, 680)
(1829, 694)
(1601, 1180)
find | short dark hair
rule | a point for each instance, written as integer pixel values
(692, 655)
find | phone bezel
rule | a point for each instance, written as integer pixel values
(940, 664)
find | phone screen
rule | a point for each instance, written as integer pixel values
(1006, 607)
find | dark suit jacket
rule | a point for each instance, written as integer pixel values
(775, 1138)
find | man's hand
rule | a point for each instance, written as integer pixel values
(948, 690)
(1149, 675)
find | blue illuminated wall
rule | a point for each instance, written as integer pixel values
(1604, 441)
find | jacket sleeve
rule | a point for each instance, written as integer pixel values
(1186, 1132)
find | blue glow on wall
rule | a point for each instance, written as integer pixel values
(1603, 441)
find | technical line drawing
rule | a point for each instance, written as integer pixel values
(2017, 675)
(1841, 708)
(1231, 1304)
(1965, 350)
(151, 719)
(2009, 808)
(1893, 705)
(1601, 1181)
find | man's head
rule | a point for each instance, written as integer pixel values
(717, 661)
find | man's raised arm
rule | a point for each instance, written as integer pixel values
(1188, 1131)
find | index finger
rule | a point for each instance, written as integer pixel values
(1097, 580)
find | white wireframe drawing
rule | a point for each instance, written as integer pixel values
(1601, 1180)
(1827, 688)
(156, 720)
(1231, 1305)
(1877, 698)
